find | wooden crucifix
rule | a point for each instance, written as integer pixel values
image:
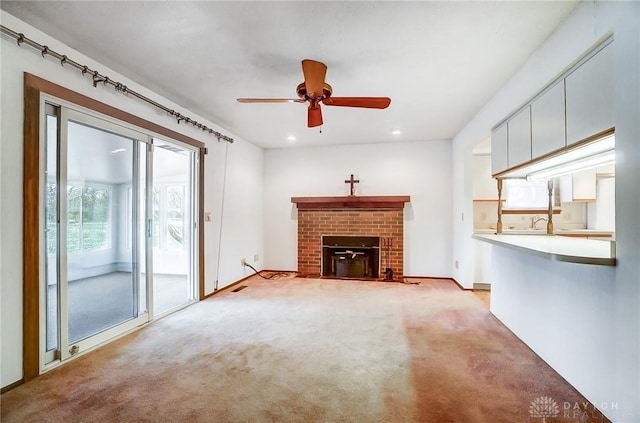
(352, 182)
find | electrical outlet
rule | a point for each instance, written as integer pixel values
(243, 261)
(566, 216)
(457, 264)
(256, 258)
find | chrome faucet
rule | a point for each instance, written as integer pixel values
(536, 219)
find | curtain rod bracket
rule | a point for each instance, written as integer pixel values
(45, 50)
(96, 79)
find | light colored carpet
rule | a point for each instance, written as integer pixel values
(307, 350)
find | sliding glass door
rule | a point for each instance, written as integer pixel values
(106, 220)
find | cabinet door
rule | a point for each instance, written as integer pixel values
(519, 130)
(580, 186)
(590, 97)
(499, 149)
(584, 185)
(547, 122)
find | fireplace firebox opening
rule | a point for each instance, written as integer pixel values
(351, 256)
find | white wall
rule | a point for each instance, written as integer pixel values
(242, 231)
(612, 376)
(557, 311)
(419, 169)
(242, 225)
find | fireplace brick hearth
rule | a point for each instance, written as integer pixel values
(345, 219)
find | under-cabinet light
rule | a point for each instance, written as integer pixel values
(571, 161)
(597, 160)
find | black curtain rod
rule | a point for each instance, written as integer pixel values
(105, 80)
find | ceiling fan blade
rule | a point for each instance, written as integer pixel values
(314, 73)
(270, 100)
(314, 116)
(367, 102)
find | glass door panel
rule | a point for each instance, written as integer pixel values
(50, 202)
(102, 289)
(173, 226)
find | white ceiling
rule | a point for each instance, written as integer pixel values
(440, 62)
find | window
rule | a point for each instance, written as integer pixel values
(88, 210)
(175, 217)
(520, 193)
(169, 217)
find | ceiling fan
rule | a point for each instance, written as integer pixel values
(315, 90)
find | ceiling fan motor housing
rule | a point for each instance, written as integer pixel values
(301, 90)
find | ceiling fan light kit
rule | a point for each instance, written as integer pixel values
(314, 90)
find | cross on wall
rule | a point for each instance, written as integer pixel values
(352, 181)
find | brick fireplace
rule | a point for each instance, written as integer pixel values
(351, 216)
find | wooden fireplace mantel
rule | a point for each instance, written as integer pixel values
(352, 202)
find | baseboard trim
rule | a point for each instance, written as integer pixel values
(427, 277)
(461, 287)
(440, 277)
(482, 286)
(226, 288)
(11, 386)
(239, 281)
(279, 271)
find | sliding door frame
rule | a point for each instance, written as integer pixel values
(32, 229)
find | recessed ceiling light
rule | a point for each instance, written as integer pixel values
(118, 150)
(291, 138)
(397, 132)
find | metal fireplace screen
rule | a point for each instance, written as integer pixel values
(351, 256)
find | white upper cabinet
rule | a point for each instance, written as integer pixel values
(548, 121)
(519, 136)
(589, 91)
(580, 186)
(499, 149)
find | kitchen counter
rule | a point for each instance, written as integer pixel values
(587, 233)
(580, 233)
(558, 248)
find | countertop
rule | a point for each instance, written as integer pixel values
(542, 231)
(559, 248)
